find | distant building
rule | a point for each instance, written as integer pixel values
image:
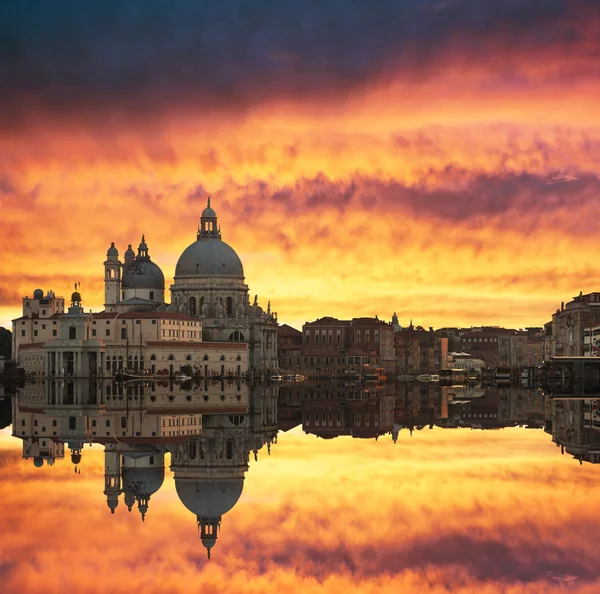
(570, 322)
(419, 351)
(289, 347)
(329, 344)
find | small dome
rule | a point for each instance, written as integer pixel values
(209, 498)
(38, 294)
(75, 297)
(129, 253)
(76, 457)
(209, 257)
(112, 250)
(38, 461)
(209, 213)
(143, 274)
(162, 307)
(143, 482)
(172, 308)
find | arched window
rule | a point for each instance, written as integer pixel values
(192, 306)
(222, 357)
(205, 358)
(229, 306)
(201, 303)
(239, 358)
(123, 333)
(236, 336)
(188, 358)
(153, 358)
(171, 358)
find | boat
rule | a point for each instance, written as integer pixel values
(375, 376)
(276, 378)
(182, 378)
(299, 377)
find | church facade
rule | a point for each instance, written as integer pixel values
(210, 309)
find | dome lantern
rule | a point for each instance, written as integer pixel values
(129, 255)
(208, 223)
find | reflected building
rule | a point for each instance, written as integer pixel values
(574, 425)
(332, 409)
(480, 408)
(209, 429)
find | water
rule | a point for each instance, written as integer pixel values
(299, 488)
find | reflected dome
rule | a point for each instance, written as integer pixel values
(209, 498)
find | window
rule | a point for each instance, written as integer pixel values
(151, 295)
(43, 312)
(94, 332)
(72, 332)
(137, 321)
(43, 326)
(123, 333)
(229, 306)
(107, 332)
(192, 306)
(35, 332)
(154, 322)
(53, 332)
(22, 332)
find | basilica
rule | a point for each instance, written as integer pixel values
(208, 284)
(210, 323)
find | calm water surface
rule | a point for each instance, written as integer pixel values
(302, 488)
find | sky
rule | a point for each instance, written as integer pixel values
(437, 158)
(444, 510)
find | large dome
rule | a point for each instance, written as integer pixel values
(209, 498)
(143, 274)
(209, 257)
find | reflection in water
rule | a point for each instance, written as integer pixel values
(209, 433)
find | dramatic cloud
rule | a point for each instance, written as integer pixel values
(440, 159)
(150, 57)
(444, 510)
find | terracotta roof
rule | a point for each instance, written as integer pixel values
(285, 330)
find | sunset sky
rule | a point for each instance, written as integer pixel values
(438, 158)
(470, 512)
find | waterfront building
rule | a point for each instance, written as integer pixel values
(330, 345)
(209, 325)
(565, 336)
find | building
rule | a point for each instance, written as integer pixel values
(289, 347)
(565, 338)
(330, 345)
(209, 305)
(419, 350)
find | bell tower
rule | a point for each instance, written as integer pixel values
(112, 279)
(112, 477)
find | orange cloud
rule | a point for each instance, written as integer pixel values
(465, 510)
